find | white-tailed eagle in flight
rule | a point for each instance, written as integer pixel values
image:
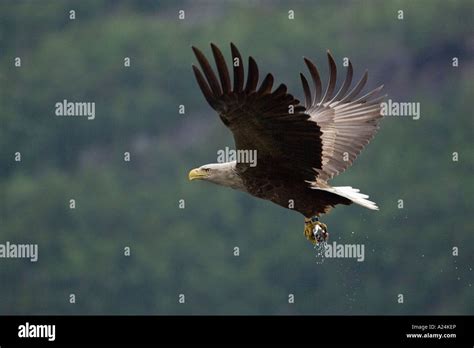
(299, 147)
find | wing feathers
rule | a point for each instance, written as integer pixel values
(266, 86)
(348, 121)
(346, 85)
(316, 80)
(203, 85)
(356, 89)
(307, 91)
(238, 69)
(252, 79)
(207, 70)
(222, 69)
(332, 79)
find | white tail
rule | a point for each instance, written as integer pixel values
(350, 193)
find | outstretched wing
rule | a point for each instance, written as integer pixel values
(348, 120)
(271, 122)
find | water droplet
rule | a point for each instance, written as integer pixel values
(320, 251)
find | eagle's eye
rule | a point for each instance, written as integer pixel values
(207, 170)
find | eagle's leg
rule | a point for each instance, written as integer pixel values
(315, 231)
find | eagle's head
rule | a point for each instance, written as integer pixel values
(218, 173)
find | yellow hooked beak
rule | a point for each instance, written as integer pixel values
(197, 173)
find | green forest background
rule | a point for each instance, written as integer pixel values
(190, 251)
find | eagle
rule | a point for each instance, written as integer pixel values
(300, 148)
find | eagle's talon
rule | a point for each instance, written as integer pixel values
(315, 231)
